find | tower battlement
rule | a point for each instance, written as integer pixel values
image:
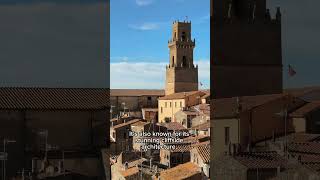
(244, 11)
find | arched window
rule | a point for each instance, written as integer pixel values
(184, 61)
(172, 60)
(183, 36)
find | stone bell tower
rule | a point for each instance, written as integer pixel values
(246, 50)
(181, 73)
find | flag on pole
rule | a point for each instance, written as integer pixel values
(291, 71)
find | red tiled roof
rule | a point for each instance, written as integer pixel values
(136, 92)
(307, 158)
(53, 98)
(309, 107)
(203, 108)
(181, 148)
(203, 150)
(181, 95)
(305, 147)
(174, 126)
(203, 126)
(253, 160)
(126, 123)
(182, 171)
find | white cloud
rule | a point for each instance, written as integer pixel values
(145, 26)
(145, 75)
(119, 58)
(144, 2)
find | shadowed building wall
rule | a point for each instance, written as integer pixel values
(246, 57)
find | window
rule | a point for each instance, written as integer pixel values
(175, 104)
(183, 37)
(170, 104)
(149, 98)
(226, 135)
(172, 60)
(165, 104)
(180, 104)
(161, 110)
(184, 61)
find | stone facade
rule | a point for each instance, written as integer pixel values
(133, 100)
(120, 138)
(181, 74)
(171, 104)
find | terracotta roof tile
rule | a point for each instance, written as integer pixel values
(53, 98)
(309, 107)
(126, 123)
(203, 126)
(182, 171)
(182, 148)
(305, 147)
(136, 92)
(181, 95)
(261, 160)
(203, 150)
(203, 109)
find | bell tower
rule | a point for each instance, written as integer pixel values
(246, 49)
(181, 73)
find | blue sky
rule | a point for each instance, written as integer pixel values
(139, 34)
(300, 41)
